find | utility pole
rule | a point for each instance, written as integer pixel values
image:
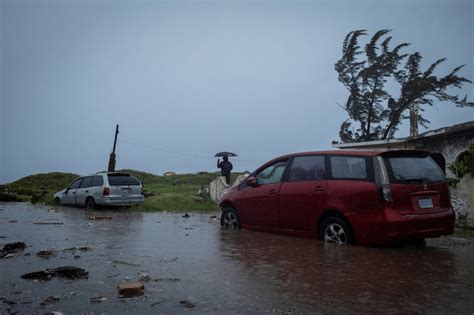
(112, 155)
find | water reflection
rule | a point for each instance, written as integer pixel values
(317, 276)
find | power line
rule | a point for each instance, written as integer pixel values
(163, 149)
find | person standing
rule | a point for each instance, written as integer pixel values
(225, 167)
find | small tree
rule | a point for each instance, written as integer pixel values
(366, 72)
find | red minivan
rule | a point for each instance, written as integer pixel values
(364, 197)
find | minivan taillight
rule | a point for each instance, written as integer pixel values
(106, 191)
(384, 180)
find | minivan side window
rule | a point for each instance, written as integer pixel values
(87, 182)
(307, 168)
(76, 183)
(97, 181)
(349, 167)
(271, 174)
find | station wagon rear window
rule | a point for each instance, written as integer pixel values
(123, 180)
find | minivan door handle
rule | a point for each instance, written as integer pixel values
(272, 192)
(318, 188)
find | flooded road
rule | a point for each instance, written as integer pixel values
(220, 271)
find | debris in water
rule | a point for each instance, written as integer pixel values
(45, 254)
(97, 217)
(38, 275)
(144, 277)
(158, 303)
(55, 210)
(73, 249)
(14, 247)
(187, 304)
(12, 221)
(9, 302)
(129, 289)
(68, 272)
(48, 223)
(50, 300)
(97, 299)
(167, 280)
(124, 263)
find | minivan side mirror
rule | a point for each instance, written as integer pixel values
(251, 181)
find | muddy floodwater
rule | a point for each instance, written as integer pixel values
(193, 266)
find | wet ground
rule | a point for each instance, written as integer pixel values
(219, 271)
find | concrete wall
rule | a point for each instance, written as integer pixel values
(450, 147)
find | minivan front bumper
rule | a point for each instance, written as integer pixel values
(389, 226)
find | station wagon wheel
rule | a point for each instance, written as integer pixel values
(230, 219)
(336, 230)
(90, 203)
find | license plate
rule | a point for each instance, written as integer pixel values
(425, 203)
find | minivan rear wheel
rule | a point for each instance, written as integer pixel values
(336, 230)
(230, 219)
(90, 203)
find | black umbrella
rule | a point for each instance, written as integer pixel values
(225, 154)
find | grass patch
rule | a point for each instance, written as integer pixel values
(173, 193)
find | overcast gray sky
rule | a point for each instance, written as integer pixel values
(253, 77)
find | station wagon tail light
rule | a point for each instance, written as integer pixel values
(106, 191)
(386, 190)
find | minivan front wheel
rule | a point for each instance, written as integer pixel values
(230, 219)
(336, 230)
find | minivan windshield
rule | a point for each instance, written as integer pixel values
(414, 169)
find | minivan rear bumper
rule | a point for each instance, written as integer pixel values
(121, 201)
(389, 226)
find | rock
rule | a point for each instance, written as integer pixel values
(169, 173)
(186, 215)
(187, 304)
(129, 289)
(14, 247)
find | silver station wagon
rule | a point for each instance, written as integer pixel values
(104, 189)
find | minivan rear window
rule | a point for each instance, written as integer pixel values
(123, 180)
(413, 169)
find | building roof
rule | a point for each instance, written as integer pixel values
(459, 128)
